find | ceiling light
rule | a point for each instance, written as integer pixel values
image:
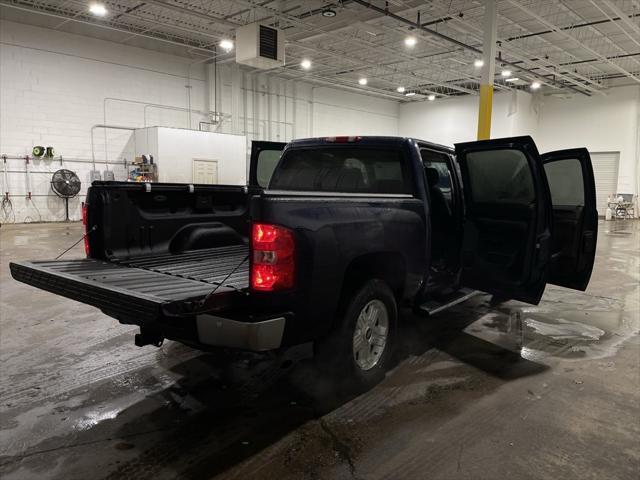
(410, 41)
(512, 79)
(98, 9)
(409, 94)
(505, 73)
(478, 63)
(363, 81)
(535, 85)
(226, 45)
(305, 64)
(431, 97)
(327, 12)
(400, 89)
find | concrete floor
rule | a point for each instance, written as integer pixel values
(521, 392)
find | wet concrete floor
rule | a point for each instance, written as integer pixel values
(515, 391)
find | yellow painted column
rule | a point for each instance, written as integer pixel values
(484, 112)
(488, 69)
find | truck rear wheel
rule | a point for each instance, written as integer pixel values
(361, 344)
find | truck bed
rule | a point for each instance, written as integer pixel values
(139, 286)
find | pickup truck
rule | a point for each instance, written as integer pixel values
(329, 239)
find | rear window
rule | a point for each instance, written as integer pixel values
(341, 169)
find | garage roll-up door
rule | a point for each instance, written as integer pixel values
(605, 170)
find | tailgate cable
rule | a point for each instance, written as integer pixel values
(92, 229)
(210, 294)
(202, 304)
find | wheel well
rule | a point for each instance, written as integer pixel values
(387, 266)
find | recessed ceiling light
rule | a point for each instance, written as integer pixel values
(226, 45)
(431, 97)
(327, 12)
(535, 85)
(478, 63)
(400, 89)
(505, 73)
(98, 9)
(512, 79)
(306, 64)
(409, 94)
(363, 81)
(410, 41)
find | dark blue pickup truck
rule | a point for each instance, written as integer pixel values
(329, 238)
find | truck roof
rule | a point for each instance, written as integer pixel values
(371, 140)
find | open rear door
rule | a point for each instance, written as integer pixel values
(575, 218)
(506, 243)
(264, 158)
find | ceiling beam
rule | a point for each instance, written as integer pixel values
(465, 46)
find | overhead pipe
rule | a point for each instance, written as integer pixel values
(406, 21)
(108, 127)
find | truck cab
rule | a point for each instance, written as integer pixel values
(328, 240)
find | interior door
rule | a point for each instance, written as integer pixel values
(264, 158)
(205, 172)
(575, 217)
(506, 235)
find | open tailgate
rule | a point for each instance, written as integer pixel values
(138, 288)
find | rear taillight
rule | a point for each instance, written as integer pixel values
(273, 261)
(85, 222)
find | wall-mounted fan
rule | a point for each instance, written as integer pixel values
(66, 185)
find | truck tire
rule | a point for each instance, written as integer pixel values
(360, 347)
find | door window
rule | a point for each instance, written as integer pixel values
(439, 162)
(502, 176)
(267, 161)
(565, 181)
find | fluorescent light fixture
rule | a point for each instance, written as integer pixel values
(226, 45)
(505, 73)
(98, 9)
(363, 81)
(431, 97)
(305, 63)
(410, 41)
(478, 63)
(535, 85)
(409, 94)
(512, 79)
(400, 89)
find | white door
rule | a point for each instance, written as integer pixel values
(605, 171)
(205, 171)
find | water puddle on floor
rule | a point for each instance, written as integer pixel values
(539, 333)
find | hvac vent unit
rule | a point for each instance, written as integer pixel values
(260, 46)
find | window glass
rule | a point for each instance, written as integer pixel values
(501, 176)
(267, 161)
(438, 161)
(565, 181)
(341, 169)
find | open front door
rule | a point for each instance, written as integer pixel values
(575, 218)
(264, 158)
(506, 240)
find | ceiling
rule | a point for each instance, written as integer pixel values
(583, 46)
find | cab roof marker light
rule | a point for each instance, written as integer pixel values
(343, 139)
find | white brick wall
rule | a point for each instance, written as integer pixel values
(53, 87)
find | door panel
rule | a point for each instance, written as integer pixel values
(506, 238)
(575, 218)
(264, 158)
